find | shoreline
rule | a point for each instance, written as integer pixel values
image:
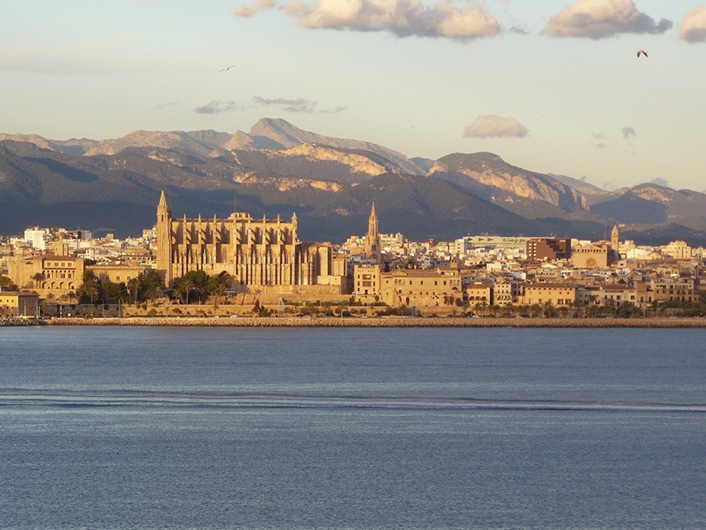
(385, 322)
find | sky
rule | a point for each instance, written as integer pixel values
(553, 86)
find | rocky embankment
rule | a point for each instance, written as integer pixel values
(21, 322)
(392, 322)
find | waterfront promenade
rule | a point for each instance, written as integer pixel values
(387, 322)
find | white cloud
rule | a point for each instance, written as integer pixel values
(693, 27)
(216, 107)
(629, 132)
(260, 5)
(495, 127)
(403, 18)
(597, 19)
(294, 105)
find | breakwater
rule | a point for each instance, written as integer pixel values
(388, 322)
(21, 321)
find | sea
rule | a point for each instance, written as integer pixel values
(359, 428)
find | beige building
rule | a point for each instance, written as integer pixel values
(263, 252)
(593, 256)
(18, 304)
(556, 294)
(507, 292)
(116, 273)
(47, 274)
(367, 280)
(421, 288)
(679, 290)
(677, 250)
(618, 295)
(479, 293)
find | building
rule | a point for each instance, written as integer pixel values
(479, 292)
(549, 249)
(677, 250)
(507, 292)
(253, 252)
(367, 280)
(556, 294)
(675, 290)
(18, 304)
(422, 288)
(49, 274)
(592, 256)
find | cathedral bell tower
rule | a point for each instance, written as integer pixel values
(164, 243)
(372, 238)
(615, 243)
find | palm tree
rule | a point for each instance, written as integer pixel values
(133, 288)
(37, 279)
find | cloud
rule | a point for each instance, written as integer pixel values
(294, 105)
(629, 132)
(495, 127)
(401, 17)
(165, 105)
(216, 107)
(260, 5)
(598, 136)
(597, 19)
(693, 27)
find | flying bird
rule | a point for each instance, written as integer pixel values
(641, 52)
(232, 65)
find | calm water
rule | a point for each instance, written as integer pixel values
(352, 428)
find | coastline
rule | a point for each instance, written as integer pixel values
(385, 322)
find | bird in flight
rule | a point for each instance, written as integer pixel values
(641, 52)
(232, 65)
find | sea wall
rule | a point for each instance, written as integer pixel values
(389, 322)
(21, 321)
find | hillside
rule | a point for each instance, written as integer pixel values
(650, 204)
(523, 192)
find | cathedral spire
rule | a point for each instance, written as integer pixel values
(372, 238)
(163, 209)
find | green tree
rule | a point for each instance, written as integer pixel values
(114, 292)
(151, 285)
(7, 284)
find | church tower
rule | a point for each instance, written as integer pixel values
(615, 243)
(372, 238)
(164, 229)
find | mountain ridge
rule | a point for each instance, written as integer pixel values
(278, 168)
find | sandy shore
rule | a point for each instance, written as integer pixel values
(389, 322)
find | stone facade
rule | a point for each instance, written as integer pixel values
(47, 274)
(254, 252)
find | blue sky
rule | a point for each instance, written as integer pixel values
(552, 86)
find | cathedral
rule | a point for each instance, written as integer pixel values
(253, 252)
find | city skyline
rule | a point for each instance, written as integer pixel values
(527, 82)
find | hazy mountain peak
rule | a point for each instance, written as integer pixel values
(276, 133)
(207, 143)
(488, 175)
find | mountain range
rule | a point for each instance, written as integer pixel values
(277, 168)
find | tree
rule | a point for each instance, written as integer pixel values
(114, 292)
(151, 285)
(90, 290)
(7, 284)
(37, 279)
(133, 288)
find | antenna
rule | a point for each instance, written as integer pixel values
(235, 196)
